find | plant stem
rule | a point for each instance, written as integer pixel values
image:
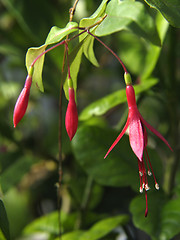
(72, 11)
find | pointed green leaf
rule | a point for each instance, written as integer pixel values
(170, 9)
(98, 230)
(4, 223)
(74, 62)
(103, 227)
(86, 22)
(89, 40)
(104, 104)
(55, 35)
(89, 51)
(47, 224)
(128, 15)
(154, 51)
(31, 55)
(75, 235)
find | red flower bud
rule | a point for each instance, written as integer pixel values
(22, 102)
(71, 120)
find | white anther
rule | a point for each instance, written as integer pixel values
(147, 187)
(157, 186)
(149, 173)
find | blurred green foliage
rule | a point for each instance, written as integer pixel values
(98, 197)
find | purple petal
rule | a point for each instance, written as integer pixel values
(136, 137)
(155, 132)
(118, 138)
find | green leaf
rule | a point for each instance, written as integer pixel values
(86, 22)
(152, 223)
(31, 55)
(162, 222)
(76, 235)
(90, 145)
(89, 51)
(55, 35)
(104, 104)
(170, 9)
(48, 224)
(98, 230)
(103, 227)
(170, 219)
(128, 15)
(74, 62)
(154, 51)
(4, 223)
(89, 40)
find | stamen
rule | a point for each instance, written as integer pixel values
(146, 187)
(141, 189)
(140, 173)
(149, 172)
(157, 186)
(150, 165)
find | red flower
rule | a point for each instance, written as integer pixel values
(71, 120)
(138, 140)
(22, 101)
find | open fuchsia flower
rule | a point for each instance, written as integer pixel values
(71, 119)
(138, 138)
(22, 101)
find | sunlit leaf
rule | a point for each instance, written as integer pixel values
(86, 22)
(89, 51)
(55, 35)
(89, 40)
(74, 62)
(98, 230)
(47, 224)
(104, 104)
(128, 15)
(31, 55)
(170, 9)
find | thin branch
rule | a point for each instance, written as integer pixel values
(72, 11)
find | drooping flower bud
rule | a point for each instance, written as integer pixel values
(22, 101)
(71, 120)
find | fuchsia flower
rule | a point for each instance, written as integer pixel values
(138, 140)
(71, 119)
(22, 101)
